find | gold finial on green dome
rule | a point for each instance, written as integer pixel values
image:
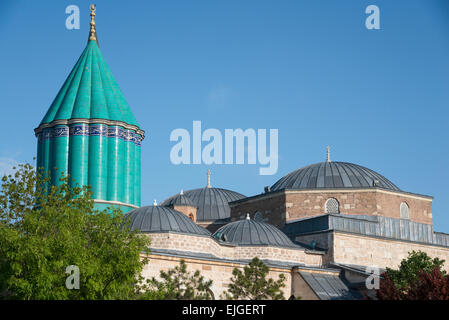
(93, 32)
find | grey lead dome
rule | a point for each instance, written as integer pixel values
(151, 219)
(212, 203)
(333, 175)
(253, 233)
(179, 200)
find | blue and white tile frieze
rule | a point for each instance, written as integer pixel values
(90, 130)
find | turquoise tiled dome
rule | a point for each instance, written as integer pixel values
(90, 134)
(90, 92)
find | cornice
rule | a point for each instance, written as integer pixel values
(117, 203)
(66, 122)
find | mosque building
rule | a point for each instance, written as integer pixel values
(325, 226)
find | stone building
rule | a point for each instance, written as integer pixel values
(326, 226)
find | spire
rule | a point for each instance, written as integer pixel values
(208, 178)
(91, 103)
(328, 154)
(93, 31)
(90, 91)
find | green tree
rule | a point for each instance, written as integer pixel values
(178, 284)
(251, 284)
(408, 271)
(428, 286)
(44, 229)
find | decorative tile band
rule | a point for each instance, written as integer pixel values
(69, 122)
(90, 130)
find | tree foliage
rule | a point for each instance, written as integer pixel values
(428, 286)
(408, 271)
(419, 277)
(251, 284)
(44, 229)
(178, 284)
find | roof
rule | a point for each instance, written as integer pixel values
(90, 92)
(372, 226)
(253, 233)
(329, 287)
(179, 200)
(211, 257)
(333, 175)
(156, 219)
(362, 270)
(212, 203)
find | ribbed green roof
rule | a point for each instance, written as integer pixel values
(90, 92)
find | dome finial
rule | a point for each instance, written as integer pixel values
(248, 217)
(208, 178)
(328, 154)
(182, 192)
(154, 202)
(93, 31)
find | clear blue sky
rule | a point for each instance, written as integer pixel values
(311, 69)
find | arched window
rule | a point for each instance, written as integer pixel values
(405, 211)
(258, 216)
(332, 206)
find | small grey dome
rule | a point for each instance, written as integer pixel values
(212, 203)
(333, 175)
(179, 200)
(253, 233)
(152, 219)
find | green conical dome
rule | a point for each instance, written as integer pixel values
(90, 92)
(90, 134)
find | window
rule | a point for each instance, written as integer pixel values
(191, 217)
(332, 206)
(405, 211)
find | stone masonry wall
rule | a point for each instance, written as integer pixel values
(300, 288)
(207, 245)
(187, 210)
(272, 208)
(219, 272)
(375, 202)
(294, 204)
(388, 205)
(370, 251)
